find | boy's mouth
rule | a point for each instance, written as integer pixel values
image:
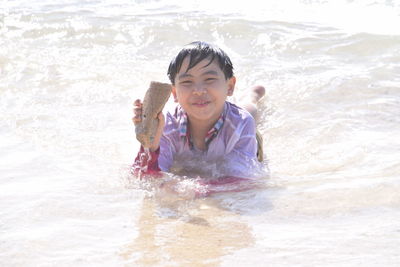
(201, 103)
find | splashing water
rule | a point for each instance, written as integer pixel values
(144, 159)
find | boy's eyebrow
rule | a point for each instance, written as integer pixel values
(210, 72)
(187, 75)
(184, 75)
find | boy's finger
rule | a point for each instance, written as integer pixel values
(136, 120)
(137, 103)
(137, 111)
(160, 115)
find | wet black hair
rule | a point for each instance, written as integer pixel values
(197, 51)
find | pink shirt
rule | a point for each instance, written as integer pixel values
(230, 152)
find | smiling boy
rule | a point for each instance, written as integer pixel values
(204, 128)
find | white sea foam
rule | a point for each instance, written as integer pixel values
(70, 70)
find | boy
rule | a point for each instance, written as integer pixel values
(205, 135)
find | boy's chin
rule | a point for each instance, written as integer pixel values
(202, 117)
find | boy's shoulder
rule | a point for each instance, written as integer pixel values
(237, 114)
(238, 121)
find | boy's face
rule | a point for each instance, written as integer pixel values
(202, 90)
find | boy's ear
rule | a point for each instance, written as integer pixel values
(231, 85)
(174, 94)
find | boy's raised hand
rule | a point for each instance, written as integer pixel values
(137, 119)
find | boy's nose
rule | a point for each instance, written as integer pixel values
(199, 89)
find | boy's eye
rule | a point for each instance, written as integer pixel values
(186, 82)
(209, 80)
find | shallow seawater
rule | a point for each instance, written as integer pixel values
(69, 71)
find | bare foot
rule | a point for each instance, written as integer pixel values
(257, 92)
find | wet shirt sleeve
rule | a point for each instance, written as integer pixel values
(241, 160)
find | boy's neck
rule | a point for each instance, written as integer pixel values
(198, 132)
(203, 127)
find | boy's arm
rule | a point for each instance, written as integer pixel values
(242, 146)
(242, 160)
(241, 168)
(146, 162)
